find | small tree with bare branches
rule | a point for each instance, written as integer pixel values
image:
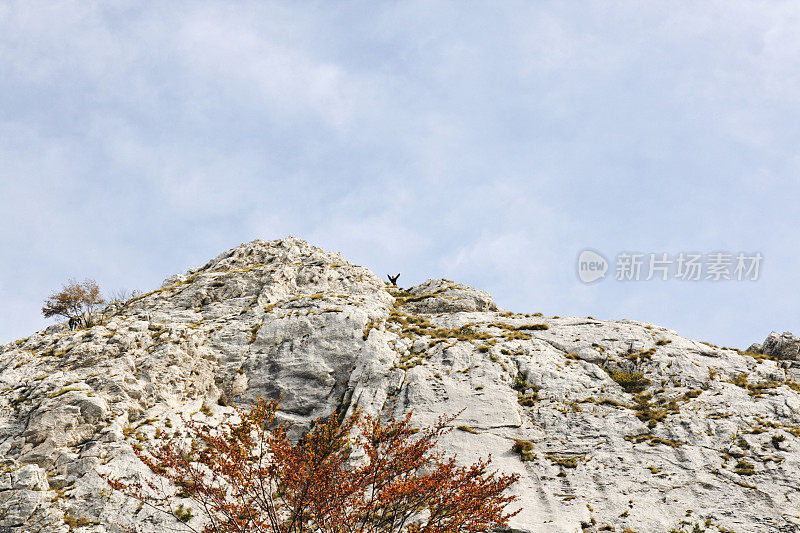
(359, 475)
(120, 295)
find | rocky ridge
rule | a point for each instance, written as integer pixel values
(612, 425)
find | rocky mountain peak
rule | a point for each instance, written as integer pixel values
(612, 425)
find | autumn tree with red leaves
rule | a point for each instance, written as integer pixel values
(357, 475)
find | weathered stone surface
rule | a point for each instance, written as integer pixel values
(782, 346)
(286, 319)
(444, 296)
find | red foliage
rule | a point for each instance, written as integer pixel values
(357, 475)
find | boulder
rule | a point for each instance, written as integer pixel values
(444, 296)
(782, 346)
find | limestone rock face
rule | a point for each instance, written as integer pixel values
(632, 426)
(785, 346)
(444, 296)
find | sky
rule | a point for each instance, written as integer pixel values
(487, 143)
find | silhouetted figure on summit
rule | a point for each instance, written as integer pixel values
(393, 279)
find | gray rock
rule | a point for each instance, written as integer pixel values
(444, 296)
(755, 348)
(782, 346)
(29, 477)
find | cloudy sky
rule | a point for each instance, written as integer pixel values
(487, 143)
